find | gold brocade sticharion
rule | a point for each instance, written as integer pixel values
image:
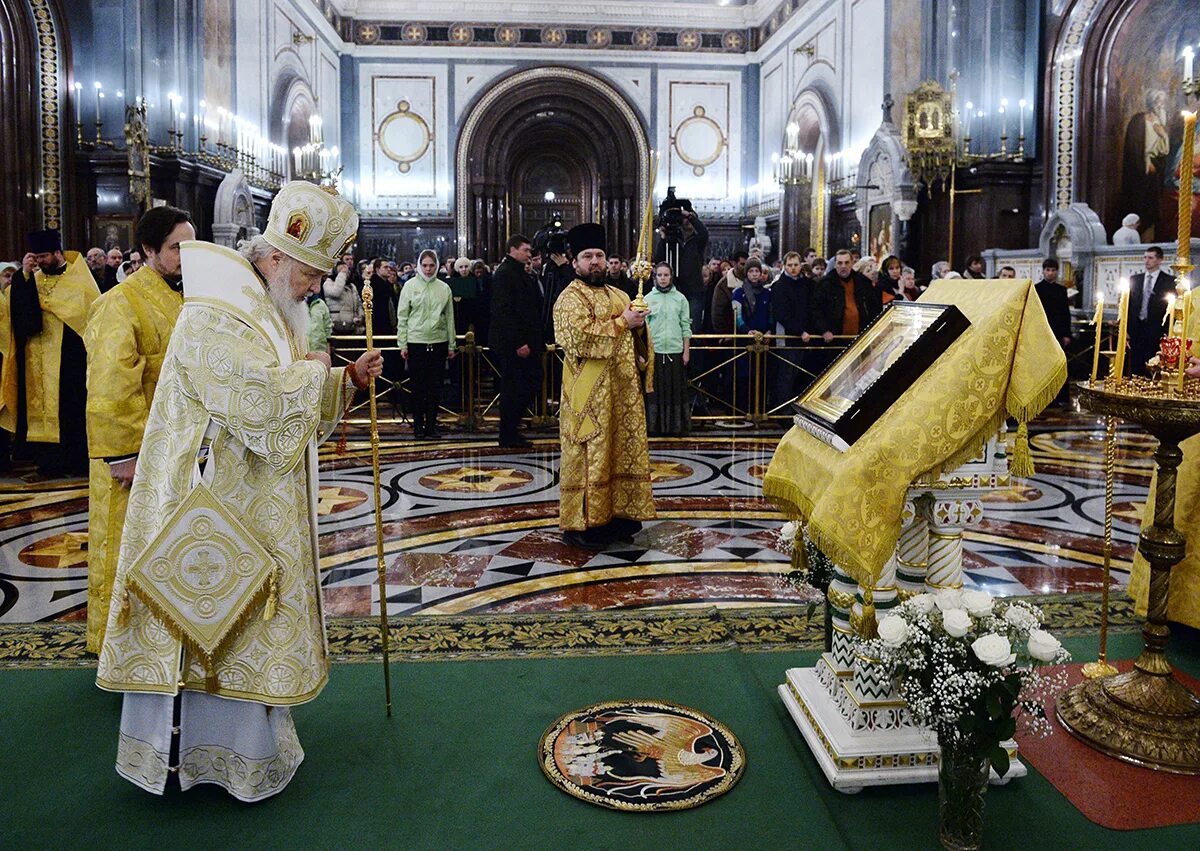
(605, 468)
(126, 338)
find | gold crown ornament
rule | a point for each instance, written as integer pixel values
(312, 224)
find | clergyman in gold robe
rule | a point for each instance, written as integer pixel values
(604, 471)
(126, 338)
(216, 628)
(42, 385)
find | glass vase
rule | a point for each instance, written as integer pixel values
(962, 783)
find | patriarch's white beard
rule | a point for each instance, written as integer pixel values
(294, 313)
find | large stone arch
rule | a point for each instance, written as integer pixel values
(803, 212)
(534, 107)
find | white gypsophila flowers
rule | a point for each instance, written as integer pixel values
(949, 598)
(893, 630)
(1043, 646)
(922, 603)
(956, 622)
(788, 532)
(977, 603)
(1021, 617)
(994, 650)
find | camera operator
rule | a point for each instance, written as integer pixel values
(682, 241)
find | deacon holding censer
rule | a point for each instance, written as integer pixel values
(216, 626)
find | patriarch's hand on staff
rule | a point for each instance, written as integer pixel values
(320, 357)
(633, 319)
(369, 365)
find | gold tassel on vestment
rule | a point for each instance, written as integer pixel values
(123, 612)
(1021, 463)
(272, 596)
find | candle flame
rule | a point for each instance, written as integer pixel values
(1100, 299)
(1123, 286)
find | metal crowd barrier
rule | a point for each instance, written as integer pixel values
(735, 380)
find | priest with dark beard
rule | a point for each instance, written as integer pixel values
(604, 481)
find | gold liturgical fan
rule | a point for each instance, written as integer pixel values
(1145, 716)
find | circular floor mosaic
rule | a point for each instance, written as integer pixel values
(641, 755)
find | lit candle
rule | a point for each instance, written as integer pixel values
(79, 105)
(1022, 103)
(96, 85)
(1098, 321)
(1188, 55)
(1003, 118)
(1122, 320)
(1184, 249)
(1169, 317)
(967, 135)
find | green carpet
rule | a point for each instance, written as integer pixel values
(457, 768)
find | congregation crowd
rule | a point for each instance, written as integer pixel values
(804, 306)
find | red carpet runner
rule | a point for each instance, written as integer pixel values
(1110, 792)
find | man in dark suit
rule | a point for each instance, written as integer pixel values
(1147, 306)
(1057, 305)
(516, 338)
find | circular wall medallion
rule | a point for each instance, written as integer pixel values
(689, 40)
(641, 756)
(554, 36)
(699, 140)
(461, 34)
(643, 37)
(599, 37)
(404, 136)
(507, 35)
(368, 34)
(733, 40)
(413, 33)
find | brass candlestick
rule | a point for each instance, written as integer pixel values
(1145, 716)
(368, 297)
(1101, 667)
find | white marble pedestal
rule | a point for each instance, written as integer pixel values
(857, 727)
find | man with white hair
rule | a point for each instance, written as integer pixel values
(216, 626)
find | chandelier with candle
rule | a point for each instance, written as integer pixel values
(793, 167)
(314, 161)
(223, 140)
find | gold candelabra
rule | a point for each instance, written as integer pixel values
(641, 268)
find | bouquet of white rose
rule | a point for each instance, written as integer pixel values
(966, 665)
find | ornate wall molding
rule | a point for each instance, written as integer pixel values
(1067, 58)
(51, 69)
(554, 36)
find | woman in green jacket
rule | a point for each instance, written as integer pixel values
(425, 335)
(668, 408)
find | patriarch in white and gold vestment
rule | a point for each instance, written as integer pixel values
(216, 626)
(604, 489)
(126, 338)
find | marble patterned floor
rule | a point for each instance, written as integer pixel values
(472, 528)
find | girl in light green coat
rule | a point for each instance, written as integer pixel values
(425, 335)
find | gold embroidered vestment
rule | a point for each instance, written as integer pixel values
(126, 338)
(605, 466)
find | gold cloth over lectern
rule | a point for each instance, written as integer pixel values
(1007, 364)
(1145, 716)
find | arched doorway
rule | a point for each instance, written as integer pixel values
(546, 130)
(804, 211)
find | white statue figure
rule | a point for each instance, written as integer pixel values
(1127, 233)
(760, 240)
